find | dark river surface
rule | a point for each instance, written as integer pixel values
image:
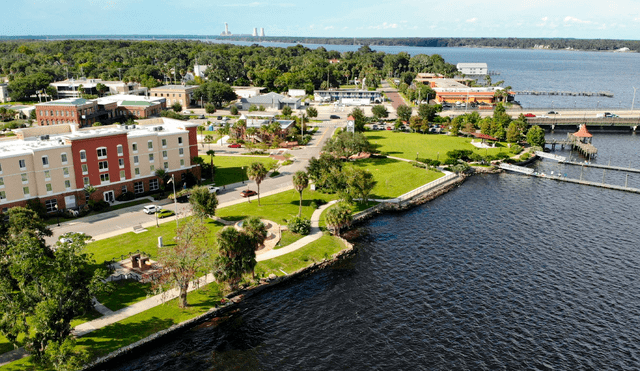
(504, 272)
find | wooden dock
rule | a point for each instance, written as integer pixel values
(587, 149)
(606, 167)
(607, 94)
(588, 183)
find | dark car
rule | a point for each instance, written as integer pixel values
(248, 193)
(334, 117)
(553, 113)
(219, 118)
(236, 145)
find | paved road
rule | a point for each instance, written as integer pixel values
(124, 219)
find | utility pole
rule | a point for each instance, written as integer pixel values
(120, 73)
(634, 97)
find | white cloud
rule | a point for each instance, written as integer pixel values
(471, 20)
(384, 26)
(329, 28)
(570, 19)
(544, 19)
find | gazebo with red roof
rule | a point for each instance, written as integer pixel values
(583, 135)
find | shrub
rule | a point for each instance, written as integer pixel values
(288, 162)
(516, 149)
(98, 205)
(476, 157)
(525, 156)
(253, 108)
(209, 108)
(299, 225)
(233, 110)
(127, 196)
(451, 161)
(502, 155)
(314, 205)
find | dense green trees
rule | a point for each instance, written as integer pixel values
(535, 136)
(214, 92)
(404, 113)
(359, 117)
(346, 144)
(379, 111)
(203, 202)
(43, 288)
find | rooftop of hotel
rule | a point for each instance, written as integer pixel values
(66, 102)
(16, 147)
(174, 87)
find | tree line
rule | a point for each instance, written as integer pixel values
(32, 65)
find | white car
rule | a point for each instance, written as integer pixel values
(214, 189)
(151, 209)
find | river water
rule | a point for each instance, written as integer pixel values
(504, 272)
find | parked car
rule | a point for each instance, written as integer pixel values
(219, 118)
(235, 145)
(165, 213)
(248, 193)
(389, 128)
(66, 238)
(214, 189)
(553, 113)
(151, 209)
(334, 117)
(600, 116)
(374, 127)
(529, 115)
(611, 115)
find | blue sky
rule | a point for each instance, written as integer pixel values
(330, 18)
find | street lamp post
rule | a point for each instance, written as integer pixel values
(175, 200)
(634, 97)
(57, 213)
(243, 175)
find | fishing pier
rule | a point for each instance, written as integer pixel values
(579, 141)
(607, 94)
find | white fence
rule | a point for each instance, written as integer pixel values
(427, 187)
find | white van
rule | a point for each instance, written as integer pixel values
(600, 116)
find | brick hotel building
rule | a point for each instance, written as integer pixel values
(53, 164)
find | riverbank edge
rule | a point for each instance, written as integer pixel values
(234, 299)
(238, 296)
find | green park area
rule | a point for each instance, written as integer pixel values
(434, 147)
(229, 168)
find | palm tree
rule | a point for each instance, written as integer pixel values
(257, 172)
(201, 129)
(212, 154)
(208, 139)
(161, 174)
(338, 217)
(300, 182)
(251, 132)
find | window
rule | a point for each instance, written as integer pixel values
(120, 150)
(51, 205)
(63, 157)
(136, 171)
(102, 152)
(150, 157)
(152, 169)
(181, 162)
(3, 195)
(122, 175)
(166, 166)
(87, 196)
(164, 154)
(85, 169)
(1, 182)
(103, 165)
(45, 161)
(138, 187)
(164, 143)
(65, 171)
(85, 181)
(180, 140)
(25, 191)
(121, 162)
(154, 185)
(150, 144)
(104, 177)
(135, 160)
(0, 168)
(23, 164)
(67, 184)
(83, 155)
(25, 178)
(124, 189)
(49, 187)
(134, 147)
(181, 151)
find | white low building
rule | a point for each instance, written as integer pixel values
(473, 68)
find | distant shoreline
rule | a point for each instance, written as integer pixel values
(566, 44)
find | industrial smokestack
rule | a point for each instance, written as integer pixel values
(262, 32)
(255, 32)
(226, 28)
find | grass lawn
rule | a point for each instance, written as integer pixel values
(5, 345)
(123, 244)
(276, 207)
(229, 168)
(355, 208)
(288, 238)
(126, 293)
(407, 145)
(394, 177)
(323, 248)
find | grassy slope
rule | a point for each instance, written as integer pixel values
(395, 177)
(407, 145)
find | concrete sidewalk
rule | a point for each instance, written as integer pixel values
(154, 301)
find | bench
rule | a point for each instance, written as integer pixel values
(138, 229)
